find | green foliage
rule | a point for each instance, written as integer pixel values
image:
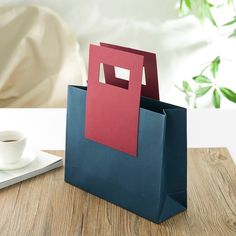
(202, 91)
(215, 66)
(233, 34)
(186, 87)
(188, 3)
(201, 8)
(185, 6)
(230, 2)
(203, 84)
(206, 12)
(231, 22)
(229, 94)
(216, 98)
(202, 79)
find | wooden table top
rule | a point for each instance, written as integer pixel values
(46, 205)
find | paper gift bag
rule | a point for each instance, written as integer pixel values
(122, 143)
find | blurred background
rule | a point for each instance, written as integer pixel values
(43, 49)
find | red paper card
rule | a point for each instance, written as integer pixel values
(112, 109)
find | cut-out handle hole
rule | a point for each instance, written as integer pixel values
(122, 73)
(116, 76)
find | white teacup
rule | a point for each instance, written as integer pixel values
(12, 145)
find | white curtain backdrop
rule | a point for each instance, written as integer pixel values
(39, 57)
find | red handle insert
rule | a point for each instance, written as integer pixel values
(112, 113)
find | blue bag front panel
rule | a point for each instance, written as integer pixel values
(132, 183)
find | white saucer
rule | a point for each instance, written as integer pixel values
(27, 157)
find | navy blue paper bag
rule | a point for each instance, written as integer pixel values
(153, 182)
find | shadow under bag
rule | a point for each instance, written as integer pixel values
(122, 143)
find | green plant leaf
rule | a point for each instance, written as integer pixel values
(188, 3)
(215, 66)
(185, 7)
(207, 12)
(231, 22)
(232, 35)
(202, 91)
(229, 94)
(186, 86)
(187, 99)
(201, 79)
(216, 99)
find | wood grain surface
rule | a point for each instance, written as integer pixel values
(46, 205)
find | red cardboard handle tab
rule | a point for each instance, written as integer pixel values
(112, 112)
(149, 90)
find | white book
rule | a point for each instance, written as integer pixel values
(42, 163)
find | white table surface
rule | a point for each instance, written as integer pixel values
(45, 128)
